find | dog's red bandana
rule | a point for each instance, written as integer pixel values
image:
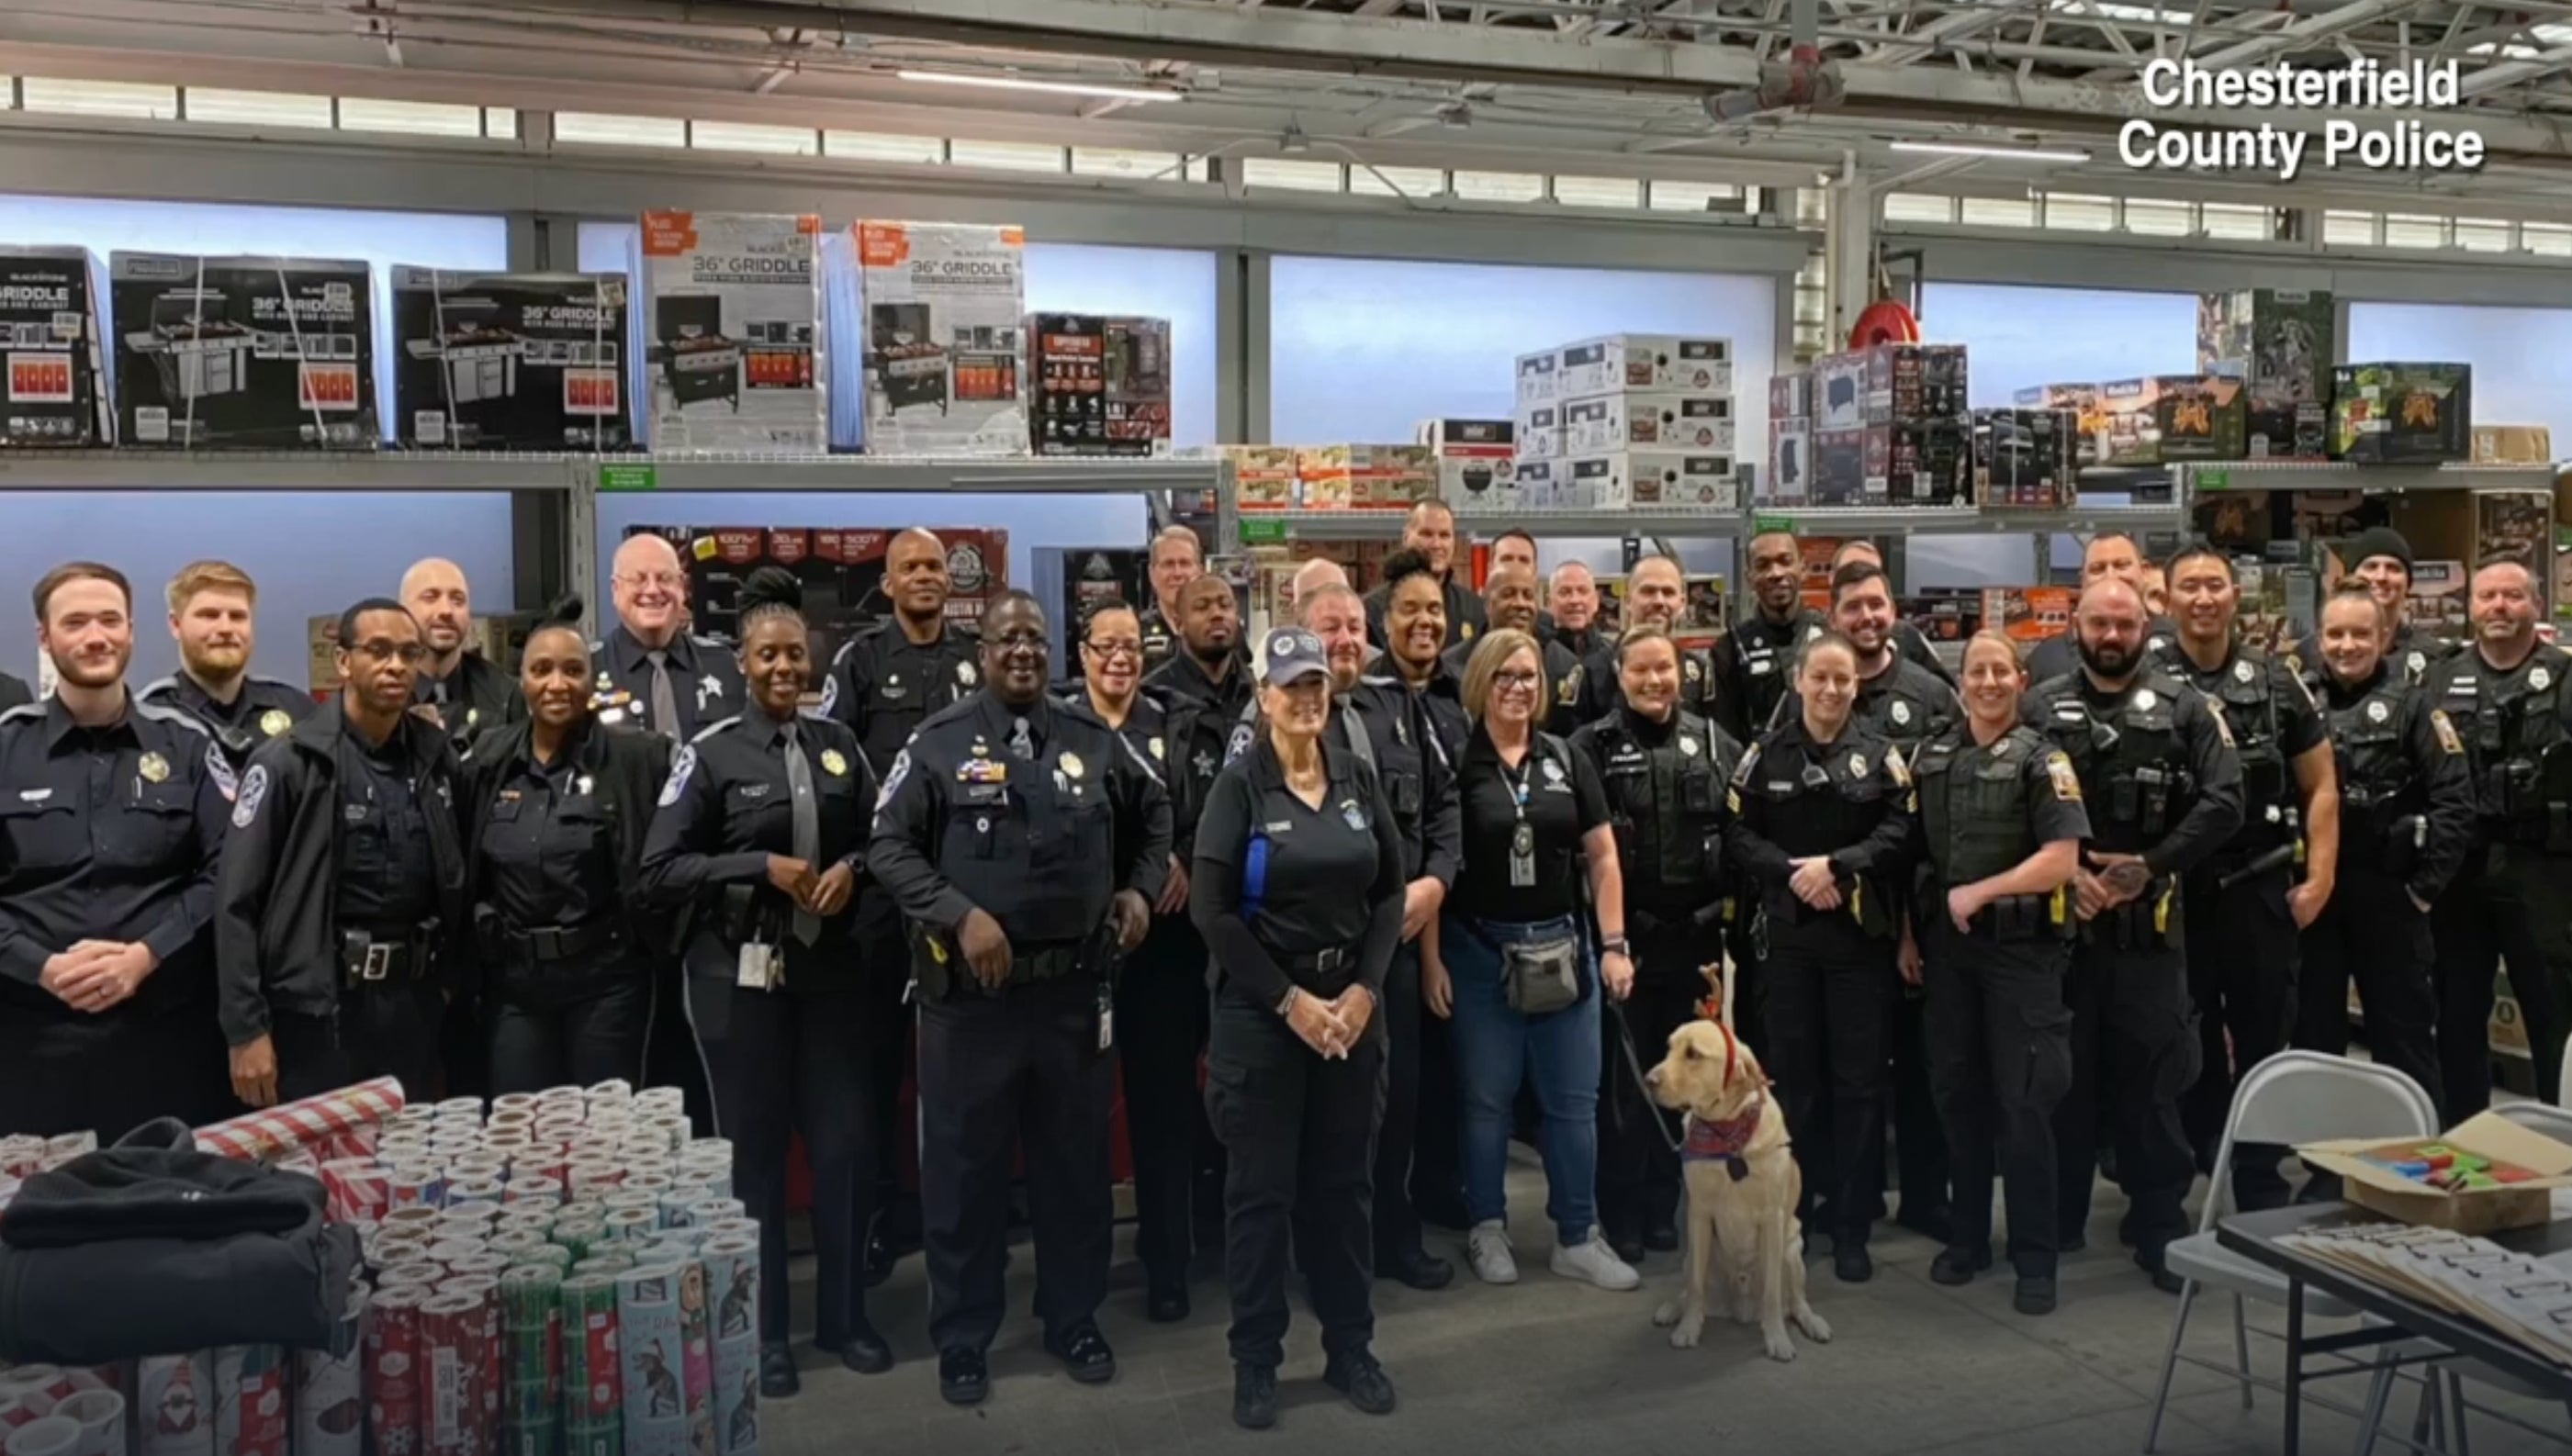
(1727, 1138)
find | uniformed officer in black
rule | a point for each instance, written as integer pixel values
(884, 682)
(2406, 825)
(2505, 695)
(1298, 885)
(1907, 641)
(2002, 823)
(1026, 845)
(1898, 697)
(1664, 772)
(2163, 790)
(1752, 663)
(459, 689)
(1571, 597)
(1430, 529)
(1656, 595)
(1821, 832)
(2245, 910)
(652, 673)
(1509, 599)
(111, 824)
(1208, 668)
(210, 617)
(555, 807)
(343, 888)
(759, 840)
(1177, 557)
(14, 693)
(2113, 554)
(2380, 557)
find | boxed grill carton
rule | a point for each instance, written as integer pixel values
(2514, 445)
(1655, 480)
(2026, 459)
(1544, 485)
(1790, 395)
(2171, 417)
(941, 308)
(1788, 481)
(1648, 421)
(2083, 400)
(1839, 391)
(2395, 413)
(50, 356)
(1906, 382)
(1539, 431)
(2279, 343)
(1658, 364)
(1476, 460)
(1263, 476)
(1101, 385)
(1538, 378)
(509, 361)
(1838, 473)
(1919, 463)
(732, 309)
(1365, 477)
(246, 353)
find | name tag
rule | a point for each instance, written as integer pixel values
(759, 970)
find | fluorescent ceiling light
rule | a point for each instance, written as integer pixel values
(1057, 88)
(1993, 148)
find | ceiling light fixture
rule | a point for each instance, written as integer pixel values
(1055, 88)
(1993, 148)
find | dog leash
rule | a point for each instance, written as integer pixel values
(1634, 1073)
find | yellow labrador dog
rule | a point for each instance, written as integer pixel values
(1742, 1188)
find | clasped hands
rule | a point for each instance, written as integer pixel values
(1331, 1027)
(94, 975)
(824, 894)
(2109, 880)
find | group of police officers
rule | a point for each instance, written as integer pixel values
(2025, 914)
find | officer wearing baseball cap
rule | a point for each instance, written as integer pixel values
(1298, 886)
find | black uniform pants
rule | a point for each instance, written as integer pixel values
(62, 1071)
(2370, 931)
(1922, 1169)
(890, 1022)
(671, 1056)
(1437, 1161)
(1299, 1135)
(1160, 1032)
(2513, 909)
(2242, 945)
(1639, 1174)
(1003, 1073)
(1396, 1221)
(2134, 1053)
(1830, 994)
(781, 1063)
(388, 1028)
(2000, 1054)
(580, 1028)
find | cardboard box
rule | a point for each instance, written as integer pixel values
(842, 569)
(2402, 413)
(1365, 477)
(2524, 1204)
(733, 328)
(1648, 421)
(1537, 377)
(2439, 597)
(1476, 461)
(1949, 616)
(2279, 343)
(53, 370)
(943, 309)
(2029, 614)
(247, 353)
(1919, 463)
(1790, 395)
(2171, 417)
(1263, 476)
(321, 646)
(2026, 459)
(510, 361)
(2514, 445)
(1662, 364)
(1838, 474)
(1677, 480)
(1099, 385)
(1839, 391)
(1788, 480)
(1544, 485)
(1539, 431)
(2085, 403)
(1910, 382)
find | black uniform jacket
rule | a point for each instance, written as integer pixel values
(14, 693)
(727, 807)
(276, 943)
(705, 681)
(1464, 620)
(481, 695)
(263, 710)
(625, 768)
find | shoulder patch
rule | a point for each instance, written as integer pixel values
(831, 688)
(2447, 737)
(712, 729)
(2223, 730)
(1894, 766)
(2067, 783)
(892, 779)
(219, 769)
(1749, 760)
(252, 793)
(1240, 742)
(683, 765)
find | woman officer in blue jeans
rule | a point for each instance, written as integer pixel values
(1511, 961)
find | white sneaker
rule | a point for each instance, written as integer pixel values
(1594, 1261)
(1488, 1250)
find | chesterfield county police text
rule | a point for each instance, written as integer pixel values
(2389, 144)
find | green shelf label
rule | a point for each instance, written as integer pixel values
(1766, 524)
(629, 477)
(2214, 479)
(1255, 531)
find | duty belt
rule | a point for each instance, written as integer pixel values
(369, 960)
(552, 944)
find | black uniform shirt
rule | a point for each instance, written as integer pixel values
(109, 833)
(1160, 639)
(1664, 788)
(264, 709)
(1464, 620)
(2417, 651)
(1562, 800)
(729, 805)
(475, 696)
(1960, 775)
(705, 681)
(1298, 879)
(387, 884)
(883, 686)
(1905, 703)
(2509, 721)
(1184, 676)
(1387, 726)
(1754, 667)
(545, 837)
(1914, 647)
(2274, 720)
(2151, 722)
(1793, 797)
(2402, 778)
(14, 693)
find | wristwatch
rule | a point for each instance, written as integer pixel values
(1286, 1003)
(1614, 945)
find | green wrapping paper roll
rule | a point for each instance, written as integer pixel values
(531, 1361)
(594, 1413)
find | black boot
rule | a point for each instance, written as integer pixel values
(776, 1377)
(1254, 1396)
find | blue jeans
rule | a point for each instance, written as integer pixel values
(1496, 1049)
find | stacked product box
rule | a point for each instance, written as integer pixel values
(1476, 461)
(50, 351)
(2514, 445)
(2168, 419)
(1263, 476)
(2082, 400)
(1098, 385)
(2026, 459)
(2384, 415)
(2279, 343)
(1536, 421)
(1790, 440)
(493, 361)
(1890, 427)
(249, 352)
(737, 355)
(1645, 420)
(943, 309)
(1364, 477)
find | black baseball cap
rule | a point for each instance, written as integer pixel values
(1290, 656)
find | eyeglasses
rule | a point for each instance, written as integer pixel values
(1515, 679)
(409, 651)
(1021, 641)
(1121, 647)
(668, 581)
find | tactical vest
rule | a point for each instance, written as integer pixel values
(2514, 743)
(1974, 803)
(1905, 717)
(1666, 807)
(1767, 666)
(2132, 759)
(2377, 786)
(2271, 805)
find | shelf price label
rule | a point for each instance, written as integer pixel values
(629, 477)
(2214, 479)
(1256, 531)
(1768, 525)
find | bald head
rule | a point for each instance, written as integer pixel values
(1315, 575)
(650, 590)
(2111, 554)
(1509, 599)
(915, 578)
(1575, 593)
(435, 592)
(1177, 557)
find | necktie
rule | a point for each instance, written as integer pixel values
(1023, 744)
(665, 699)
(1359, 744)
(808, 824)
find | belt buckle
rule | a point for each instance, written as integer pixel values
(379, 962)
(1331, 959)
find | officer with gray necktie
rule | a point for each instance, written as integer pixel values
(652, 673)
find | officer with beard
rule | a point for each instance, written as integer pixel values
(1907, 641)
(2163, 790)
(211, 607)
(1509, 599)
(1656, 595)
(1177, 557)
(657, 675)
(1208, 669)
(2111, 555)
(1754, 660)
(108, 837)
(459, 690)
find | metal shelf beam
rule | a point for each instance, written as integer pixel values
(413, 471)
(296, 470)
(2222, 476)
(1970, 521)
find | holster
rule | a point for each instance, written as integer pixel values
(2150, 921)
(937, 965)
(2014, 918)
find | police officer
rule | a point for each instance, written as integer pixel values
(14, 693)
(1298, 886)
(1177, 557)
(654, 673)
(1822, 823)
(1208, 668)
(1664, 772)
(2245, 910)
(110, 827)
(1026, 845)
(211, 607)
(1430, 529)
(342, 883)
(1509, 599)
(459, 689)
(2380, 557)
(2111, 554)
(2406, 822)
(884, 682)
(2002, 822)
(2505, 696)
(1515, 549)
(1571, 599)
(1906, 639)
(556, 808)
(2163, 790)
(759, 838)
(1407, 617)
(1656, 595)
(1752, 663)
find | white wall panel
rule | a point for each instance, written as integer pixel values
(2522, 358)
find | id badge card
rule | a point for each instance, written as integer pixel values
(1522, 856)
(1106, 1018)
(757, 970)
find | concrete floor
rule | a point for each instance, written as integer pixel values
(1548, 1366)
